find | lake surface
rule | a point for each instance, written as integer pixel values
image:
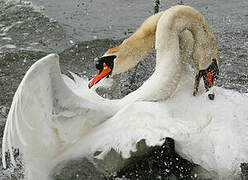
(30, 30)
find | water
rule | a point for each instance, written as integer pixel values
(76, 29)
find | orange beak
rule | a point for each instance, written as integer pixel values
(100, 75)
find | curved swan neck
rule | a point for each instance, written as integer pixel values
(163, 83)
(169, 31)
(180, 18)
(137, 46)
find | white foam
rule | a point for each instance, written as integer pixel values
(8, 46)
(7, 38)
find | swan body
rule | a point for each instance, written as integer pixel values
(53, 118)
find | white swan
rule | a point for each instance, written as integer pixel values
(53, 118)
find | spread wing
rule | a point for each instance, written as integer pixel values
(47, 116)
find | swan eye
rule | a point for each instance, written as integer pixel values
(99, 65)
(108, 60)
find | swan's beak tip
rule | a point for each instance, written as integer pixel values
(92, 82)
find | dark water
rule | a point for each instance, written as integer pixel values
(80, 31)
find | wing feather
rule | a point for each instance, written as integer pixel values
(46, 115)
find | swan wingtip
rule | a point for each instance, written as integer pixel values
(52, 56)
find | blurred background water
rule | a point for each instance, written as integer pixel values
(81, 30)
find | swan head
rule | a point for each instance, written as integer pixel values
(105, 66)
(209, 75)
(116, 60)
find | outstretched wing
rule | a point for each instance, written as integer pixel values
(46, 115)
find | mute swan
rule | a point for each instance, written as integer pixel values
(53, 118)
(131, 51)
